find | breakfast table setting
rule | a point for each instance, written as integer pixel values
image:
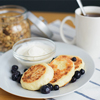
(73, 34)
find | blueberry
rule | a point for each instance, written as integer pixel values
(74, 59)
(50, 86)
(25, 69)
(45, 89)
(14, 68)
(73, 79)
(17, 73)
(82, 71)
(19, 78)
(14, 77)
(56, 87)
(54, 58)
(77, 74)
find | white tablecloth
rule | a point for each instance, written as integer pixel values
(90, 91)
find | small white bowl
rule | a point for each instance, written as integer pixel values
(32, 60)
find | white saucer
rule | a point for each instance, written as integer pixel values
(6, 83)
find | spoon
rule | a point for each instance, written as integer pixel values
(81, 7)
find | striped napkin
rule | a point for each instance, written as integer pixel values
(91, 90)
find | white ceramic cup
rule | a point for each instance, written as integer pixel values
(87, 30)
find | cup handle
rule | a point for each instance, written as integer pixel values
(61, 29)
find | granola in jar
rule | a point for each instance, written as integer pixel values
(14, 26)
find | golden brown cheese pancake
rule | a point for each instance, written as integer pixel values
(37, 76)
(63, 70)
(79, 63)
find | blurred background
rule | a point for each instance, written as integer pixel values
(50, 5)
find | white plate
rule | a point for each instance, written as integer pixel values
(6, 83)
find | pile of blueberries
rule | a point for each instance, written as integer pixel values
(77, 74)
(16, 75)
(45, 89)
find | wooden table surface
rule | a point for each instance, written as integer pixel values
(50, 17)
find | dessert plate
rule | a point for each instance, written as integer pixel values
(7, 84)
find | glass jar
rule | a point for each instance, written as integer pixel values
(14, 26)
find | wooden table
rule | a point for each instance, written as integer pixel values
(50, 17)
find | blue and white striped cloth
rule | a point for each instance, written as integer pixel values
(91, 90)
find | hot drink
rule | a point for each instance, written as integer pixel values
(92, 14)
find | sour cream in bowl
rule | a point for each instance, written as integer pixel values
(34, 50)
